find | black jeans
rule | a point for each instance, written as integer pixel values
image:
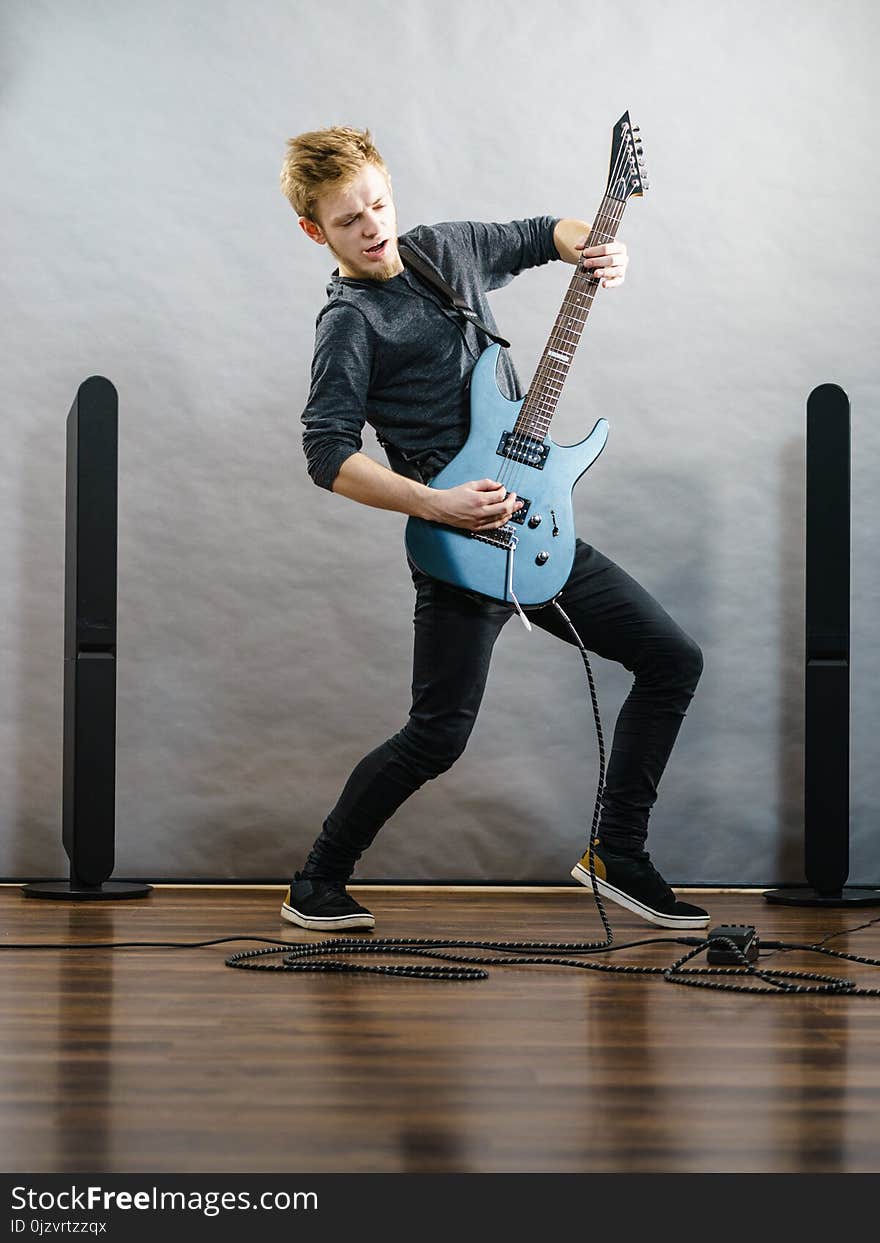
(454, 637)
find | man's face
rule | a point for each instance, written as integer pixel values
(359, 224)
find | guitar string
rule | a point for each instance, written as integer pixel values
(547, 371)
(512, 470)
(560, 336)
(613, 217)
(565, 339)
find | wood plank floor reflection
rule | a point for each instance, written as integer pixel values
(158, 1061)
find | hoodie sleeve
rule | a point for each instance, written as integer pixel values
(335, 412)
(493, 253)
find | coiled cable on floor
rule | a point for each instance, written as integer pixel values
(321, 956)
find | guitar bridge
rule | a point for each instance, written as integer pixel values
(502, 537)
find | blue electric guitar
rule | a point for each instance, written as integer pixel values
(526, 562)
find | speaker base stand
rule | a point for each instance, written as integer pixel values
(811, 897)
(110, 890)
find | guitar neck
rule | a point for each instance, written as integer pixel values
(541, 400)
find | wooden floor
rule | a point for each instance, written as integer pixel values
(157, 1061)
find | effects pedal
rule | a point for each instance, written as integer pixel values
(743, 936)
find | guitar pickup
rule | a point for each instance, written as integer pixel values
(519, 448)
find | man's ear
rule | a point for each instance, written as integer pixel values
(312, 230)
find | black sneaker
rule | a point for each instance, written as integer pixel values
(324, 906)
(633, 881)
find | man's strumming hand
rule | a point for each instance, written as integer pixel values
(479, 505)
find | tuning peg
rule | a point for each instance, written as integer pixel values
(640, 150)
(636, 129)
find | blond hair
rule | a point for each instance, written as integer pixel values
(322, 160)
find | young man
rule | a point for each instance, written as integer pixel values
(389, 350)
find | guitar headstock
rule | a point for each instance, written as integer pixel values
(626, 176)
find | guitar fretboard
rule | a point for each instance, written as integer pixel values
(541, 400)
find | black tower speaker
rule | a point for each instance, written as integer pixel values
(826, 733)
(89, 793)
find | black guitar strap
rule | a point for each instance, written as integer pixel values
(455, 300)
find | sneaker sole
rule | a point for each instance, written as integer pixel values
(325, 923)
(582, 875)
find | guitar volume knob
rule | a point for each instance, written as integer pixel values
(542, 558)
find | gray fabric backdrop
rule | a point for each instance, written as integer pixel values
(264, 625)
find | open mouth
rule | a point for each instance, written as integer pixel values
(378, 249)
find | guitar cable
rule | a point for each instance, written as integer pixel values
(322, 955)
